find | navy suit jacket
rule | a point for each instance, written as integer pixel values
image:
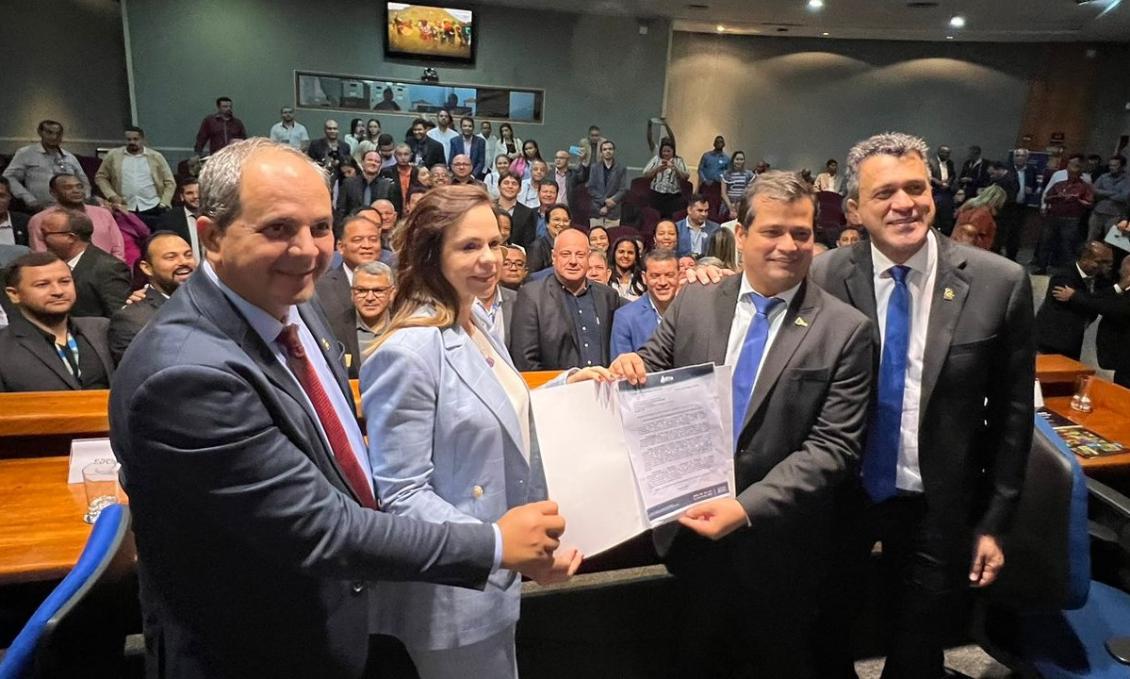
(253, 551)
(477, 153)
(684, 247)
(632, 326)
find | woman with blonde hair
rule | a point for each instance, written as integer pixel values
(978, 212)
(451, 437)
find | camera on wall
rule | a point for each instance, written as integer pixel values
(430, 76)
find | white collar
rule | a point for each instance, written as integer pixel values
(922, 261)
(785, 296)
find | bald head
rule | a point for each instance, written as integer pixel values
(571, 257)
(387, 211)
(461, 166)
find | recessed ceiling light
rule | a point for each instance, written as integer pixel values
(824, 33)
(815, 4)
(957, 21)
(720, 28)
(949, 37)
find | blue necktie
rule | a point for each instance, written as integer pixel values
(880, 460)
(749, 360)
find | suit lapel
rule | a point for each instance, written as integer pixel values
(468, 362)
(38, 347)
(726, 301)
(951, 288)
(101, 349)
(806, 306)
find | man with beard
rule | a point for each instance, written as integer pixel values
(43, 348)
(68, 192)
(181, 220)
(101, 282)
(167, 262)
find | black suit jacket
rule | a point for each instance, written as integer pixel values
(430, 150)
(975, 423)
(936, 173)
(19, 226)
(398, 198)
(803, 431)
(253, 552)
(1112, 342)
(351, 194)
(540, 254)
(978, 177)
(319, 150)
(1060, 325)
(130, 319)
(543, 336)
(102, 284)
(175, 219)
(28, 363)
(523, 226)
(337, 302)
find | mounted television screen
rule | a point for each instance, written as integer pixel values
(430, 32)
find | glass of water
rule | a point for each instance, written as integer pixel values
(100, 479)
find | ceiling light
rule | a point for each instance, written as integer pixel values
(949, 37)
(815, 4)
(720, 28)
(957, 21)
(824, 33)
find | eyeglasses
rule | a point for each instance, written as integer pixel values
(375, 292)
(513, 264)
(57, 233)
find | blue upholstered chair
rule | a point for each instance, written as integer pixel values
(80, 628)
(1047, 617)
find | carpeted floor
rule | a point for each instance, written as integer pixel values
(967, 661)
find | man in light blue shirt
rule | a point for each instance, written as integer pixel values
(33, 166)
(289, 131)
(713, 164)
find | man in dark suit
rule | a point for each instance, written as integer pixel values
(949, 434)
(330, 151)
(1112, 342)
(426, 151)
(974, 173)
(471, 145)
(43, 348)
(539, 256)
(252, 504)
(1019, 181)
(360, 242)
(181, 218)
(13, 225)
(523, 220)
(943, 182)
(802, 363)
(167, 263)
(1060, 326)
(102, 281)
(563, 320)
(362, 189)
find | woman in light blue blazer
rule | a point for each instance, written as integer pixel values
(450, 432)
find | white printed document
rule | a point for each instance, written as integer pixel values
(621, 459)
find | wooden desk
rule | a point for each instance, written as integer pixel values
(1057, 374)
(1110, 418)
(35, 424)
(41, 526)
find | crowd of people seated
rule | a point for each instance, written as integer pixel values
(464, 245)
(135, 202)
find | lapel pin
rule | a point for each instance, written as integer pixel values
(948, 294)
(801, 322)
(325, 344)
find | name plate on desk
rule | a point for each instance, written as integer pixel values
(85, 452)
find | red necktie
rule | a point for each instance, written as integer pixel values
(339, 442)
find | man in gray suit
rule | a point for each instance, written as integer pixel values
(360, 243)
(43, 348)
(167, 262)
(607, 185)
(948, 439)
(252, 502)
(802, 375)
(563, 320)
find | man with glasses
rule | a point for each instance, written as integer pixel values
(360, 244)
(374, 286)
(514, 269)
(563, 320)
(461, 171)
(33, 166)
(101, 281)
(68, 193)
(289, 131)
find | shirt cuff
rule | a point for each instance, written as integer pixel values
(497, 548)
(1118, 289)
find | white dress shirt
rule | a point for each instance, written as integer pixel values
(920, 283)
(7, 230)
(445, 139)
(744, 312)
(137, 183)
(193, 235)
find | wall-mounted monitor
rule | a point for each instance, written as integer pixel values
(430, 32)
(409, 97)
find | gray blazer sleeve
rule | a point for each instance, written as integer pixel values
(222, 458)
(525, 335)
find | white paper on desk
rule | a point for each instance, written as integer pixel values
(1118, 238)
(86, 452)
(587, 468)
(678, 440)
